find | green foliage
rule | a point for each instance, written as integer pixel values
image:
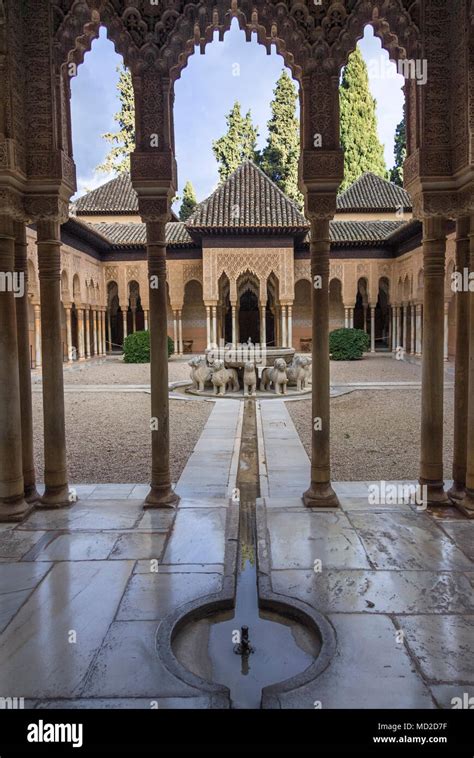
(279, 159)
(362, 149)
(189, 201)
(136, 347)
(237, 144)
(123, 141)
(400, 153)
(348, 344)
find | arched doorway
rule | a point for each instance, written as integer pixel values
(114, 318)
(249, 312)
(383, 315)
(361, 305)
(194, 318)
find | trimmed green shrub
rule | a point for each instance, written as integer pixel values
(136, 347)
(348, 344)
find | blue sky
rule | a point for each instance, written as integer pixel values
(230, 70)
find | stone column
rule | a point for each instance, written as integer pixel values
(431, 464)
(99, 332)
(372, 328)
(351, 318)
(446, 331)
(346, 318)
(134, 319)
(146, 321)
(234, 325)
(104, 336)
(49, 259)
(88, 332)
(365, 317)
(180, 332)
(24, 368)
(405, 328)
(214, 324)
(38, 356)
(208, 325)
(70, 350)
(467, 504)
(284, 338)
(161, 494)
(263, 325)
(290, 326)
(394, 329)
(13, 506)
(94, 331)
(418, 329)
(125, 327)
(461, 381)
(400, 326)
(413, 329)
(80, 333)
(320, 492)
(175, 332)
(109, 329)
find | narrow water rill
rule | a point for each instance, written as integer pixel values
(247, 648)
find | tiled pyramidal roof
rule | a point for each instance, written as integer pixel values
(372, 193)
(116, 196)
(247, 200)
(129, 235)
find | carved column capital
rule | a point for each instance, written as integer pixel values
(51, 208)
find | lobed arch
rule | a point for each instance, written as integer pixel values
(76, 290)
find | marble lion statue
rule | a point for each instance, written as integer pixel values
(222, 378)
(277, 376)
(299, 371)
(200, 372)
(250, 379)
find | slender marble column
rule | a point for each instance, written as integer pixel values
(234, 326)
(413, 329)
(13, 506)
(400, 326)
(365, 318)
(405, 328)
(320, 492)
(394, 329)
(283, 327)
(263, 325)
(431, 464)
(161, 494)
(208, 325)
(446, 331)
(70, 349)
(24, 368)
(351, 320)
(372, 328)
(290, 326)
(38, 356)
(180, 332)
(56, 492)
(419, 321)
(134, 319)
(94, 331)
(467, 505)
(146, 321)
(80, 334)
(461, 381)
(346, 318)
(214, 324)
(88, 332)
(109, 328)
(125, 327)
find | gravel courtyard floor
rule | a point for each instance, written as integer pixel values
(375, 433)
(108, 435)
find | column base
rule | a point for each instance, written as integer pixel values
(436, 494)
(14, 510)
(161, 497)
(56, 497)
(457, 491)
(31, 494)
(320, 495)
(466, 506)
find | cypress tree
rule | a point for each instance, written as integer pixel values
(189, 201)
(237, 144)
(279, 159)
(123, 141)
(362, 149)
(400, 153)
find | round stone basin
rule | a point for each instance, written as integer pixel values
(236, 356)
